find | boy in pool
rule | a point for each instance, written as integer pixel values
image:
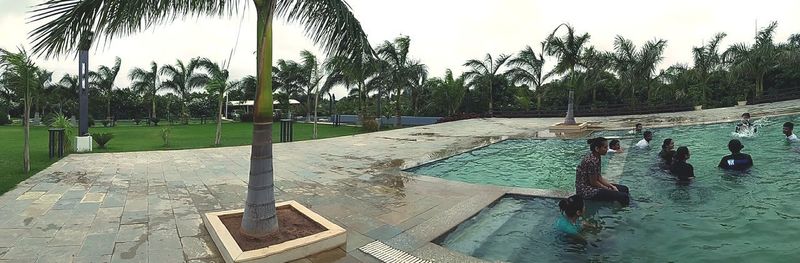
(745, 124)
(788, 129)
(637, 129)
(572, 209)
(737, 160)
(645, 142)
(613, 146)
(680, 169)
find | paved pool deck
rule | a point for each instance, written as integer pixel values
(147, 206)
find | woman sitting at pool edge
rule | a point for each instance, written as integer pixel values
(590, 184)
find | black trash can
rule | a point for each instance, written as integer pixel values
(56, 142)
(286, 130)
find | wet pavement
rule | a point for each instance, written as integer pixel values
(146, 206)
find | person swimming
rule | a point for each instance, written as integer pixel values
(667, 151)
(745, 125)
(680, 168)
(613, 146)
(572, 209)
(788, 129)
(637, 129)
(736, 160)
(645, 142)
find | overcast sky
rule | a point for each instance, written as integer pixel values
(444, 33)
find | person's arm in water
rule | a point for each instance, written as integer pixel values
(722, 163)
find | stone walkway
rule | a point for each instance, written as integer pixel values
(146, 206)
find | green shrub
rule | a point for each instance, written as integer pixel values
(61, 121)
(4, 117)
(155, 121)
(165, 134)
(102, 138)
(369, 124)
(137, 121)
(106, 122)
(91, 121)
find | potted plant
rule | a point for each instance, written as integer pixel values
(741, 100)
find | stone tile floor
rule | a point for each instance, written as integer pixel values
(146, 206)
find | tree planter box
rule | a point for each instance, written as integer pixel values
(698, 107)
(741, 103)
(333, 236)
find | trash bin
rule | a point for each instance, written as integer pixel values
(56, 142)
(286, 130)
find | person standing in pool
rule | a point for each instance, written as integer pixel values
(667, 153)
(613, 146)
(645, 142)
(637, 129)
(737, 160)
(590, 184)
(680, 168)
(788, 129)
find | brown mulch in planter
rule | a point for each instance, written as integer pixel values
(291, 225)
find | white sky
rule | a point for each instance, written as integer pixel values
(444, 33)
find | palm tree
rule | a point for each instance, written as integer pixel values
(707, 60)
(216, 82)
(146, 83)
(21, 74)
(485, 74)
(181, 79)
(755, 61)
(103, 80)
(313, 74)
(353, 72)
(329, 23)
(447, 92)
(527, 68)
(568, 49)
(636, 68)
(289, 77)
(65, 92)
(403, 71)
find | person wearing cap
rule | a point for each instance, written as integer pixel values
(737, 160)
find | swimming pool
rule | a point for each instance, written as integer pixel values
(721, 216)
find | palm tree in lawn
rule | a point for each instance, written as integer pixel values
(707, 60)
(756, 60)
(568, 49)
(402, 70)
(313, 72)
(353, 72)
(289, 76)
(328, 22)
(146, 82)
(485, 74)
(181, 79)
(527, 69)
(21, 74)
(216, 82)
(65, 92)
(103, 80)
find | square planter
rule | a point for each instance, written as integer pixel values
(333, 236)
(698, 107)
(741, 103)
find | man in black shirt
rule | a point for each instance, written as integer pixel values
(737, 160)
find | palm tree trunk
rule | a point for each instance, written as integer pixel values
(108, 106)
(308, 107)
(316, 106)
(259, 218)
(397, 110)
(184, 115)
(26, 152)
(218, 135)
(539, 100)
(153, 114)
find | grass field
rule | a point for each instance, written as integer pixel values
(129, 138)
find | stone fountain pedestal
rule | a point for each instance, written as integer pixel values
(570, 128)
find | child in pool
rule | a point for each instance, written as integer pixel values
(572, 209)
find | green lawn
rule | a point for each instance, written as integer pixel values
(139, 138)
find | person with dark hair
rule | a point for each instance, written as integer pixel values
(590, 184)
(637, 129)
(613, 146)
(737, 160)
(788, 129)
(645, 142)
(667, 153)
(745, 125)
(572, 209)
(680, 168)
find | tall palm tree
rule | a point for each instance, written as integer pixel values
(290, 77)
(707, 60)
(146, 82)
(756, 60)
(103, 80)
(568, 49)
(486, 74)
(447, 93)
(181, 79)
(329, 23)
(216, 82)
(64, 93)
(527, 68)
(313, 72)
(636, 68)
(21, 74)
(402, 70)
(353, 72)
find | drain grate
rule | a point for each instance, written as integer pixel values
(389, 254)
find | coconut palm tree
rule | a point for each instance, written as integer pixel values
(756, 60)
(636, 68)
(21, 74)
(313, 74)
(329, 23)
(216, 82)
(527, 69)
(289, 77)
(447, 92)
(486, 74)
(353, 72)
(146, 82)
(65, 92)
(707, 60)
(181, 79)
(568, 49)
(403, 71)
(103, 80)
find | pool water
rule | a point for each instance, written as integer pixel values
(720, 217)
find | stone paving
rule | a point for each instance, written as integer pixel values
(146, 206)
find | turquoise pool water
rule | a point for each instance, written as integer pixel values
(719, 217)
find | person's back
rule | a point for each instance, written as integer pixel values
(736, 160)
(680, 168)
